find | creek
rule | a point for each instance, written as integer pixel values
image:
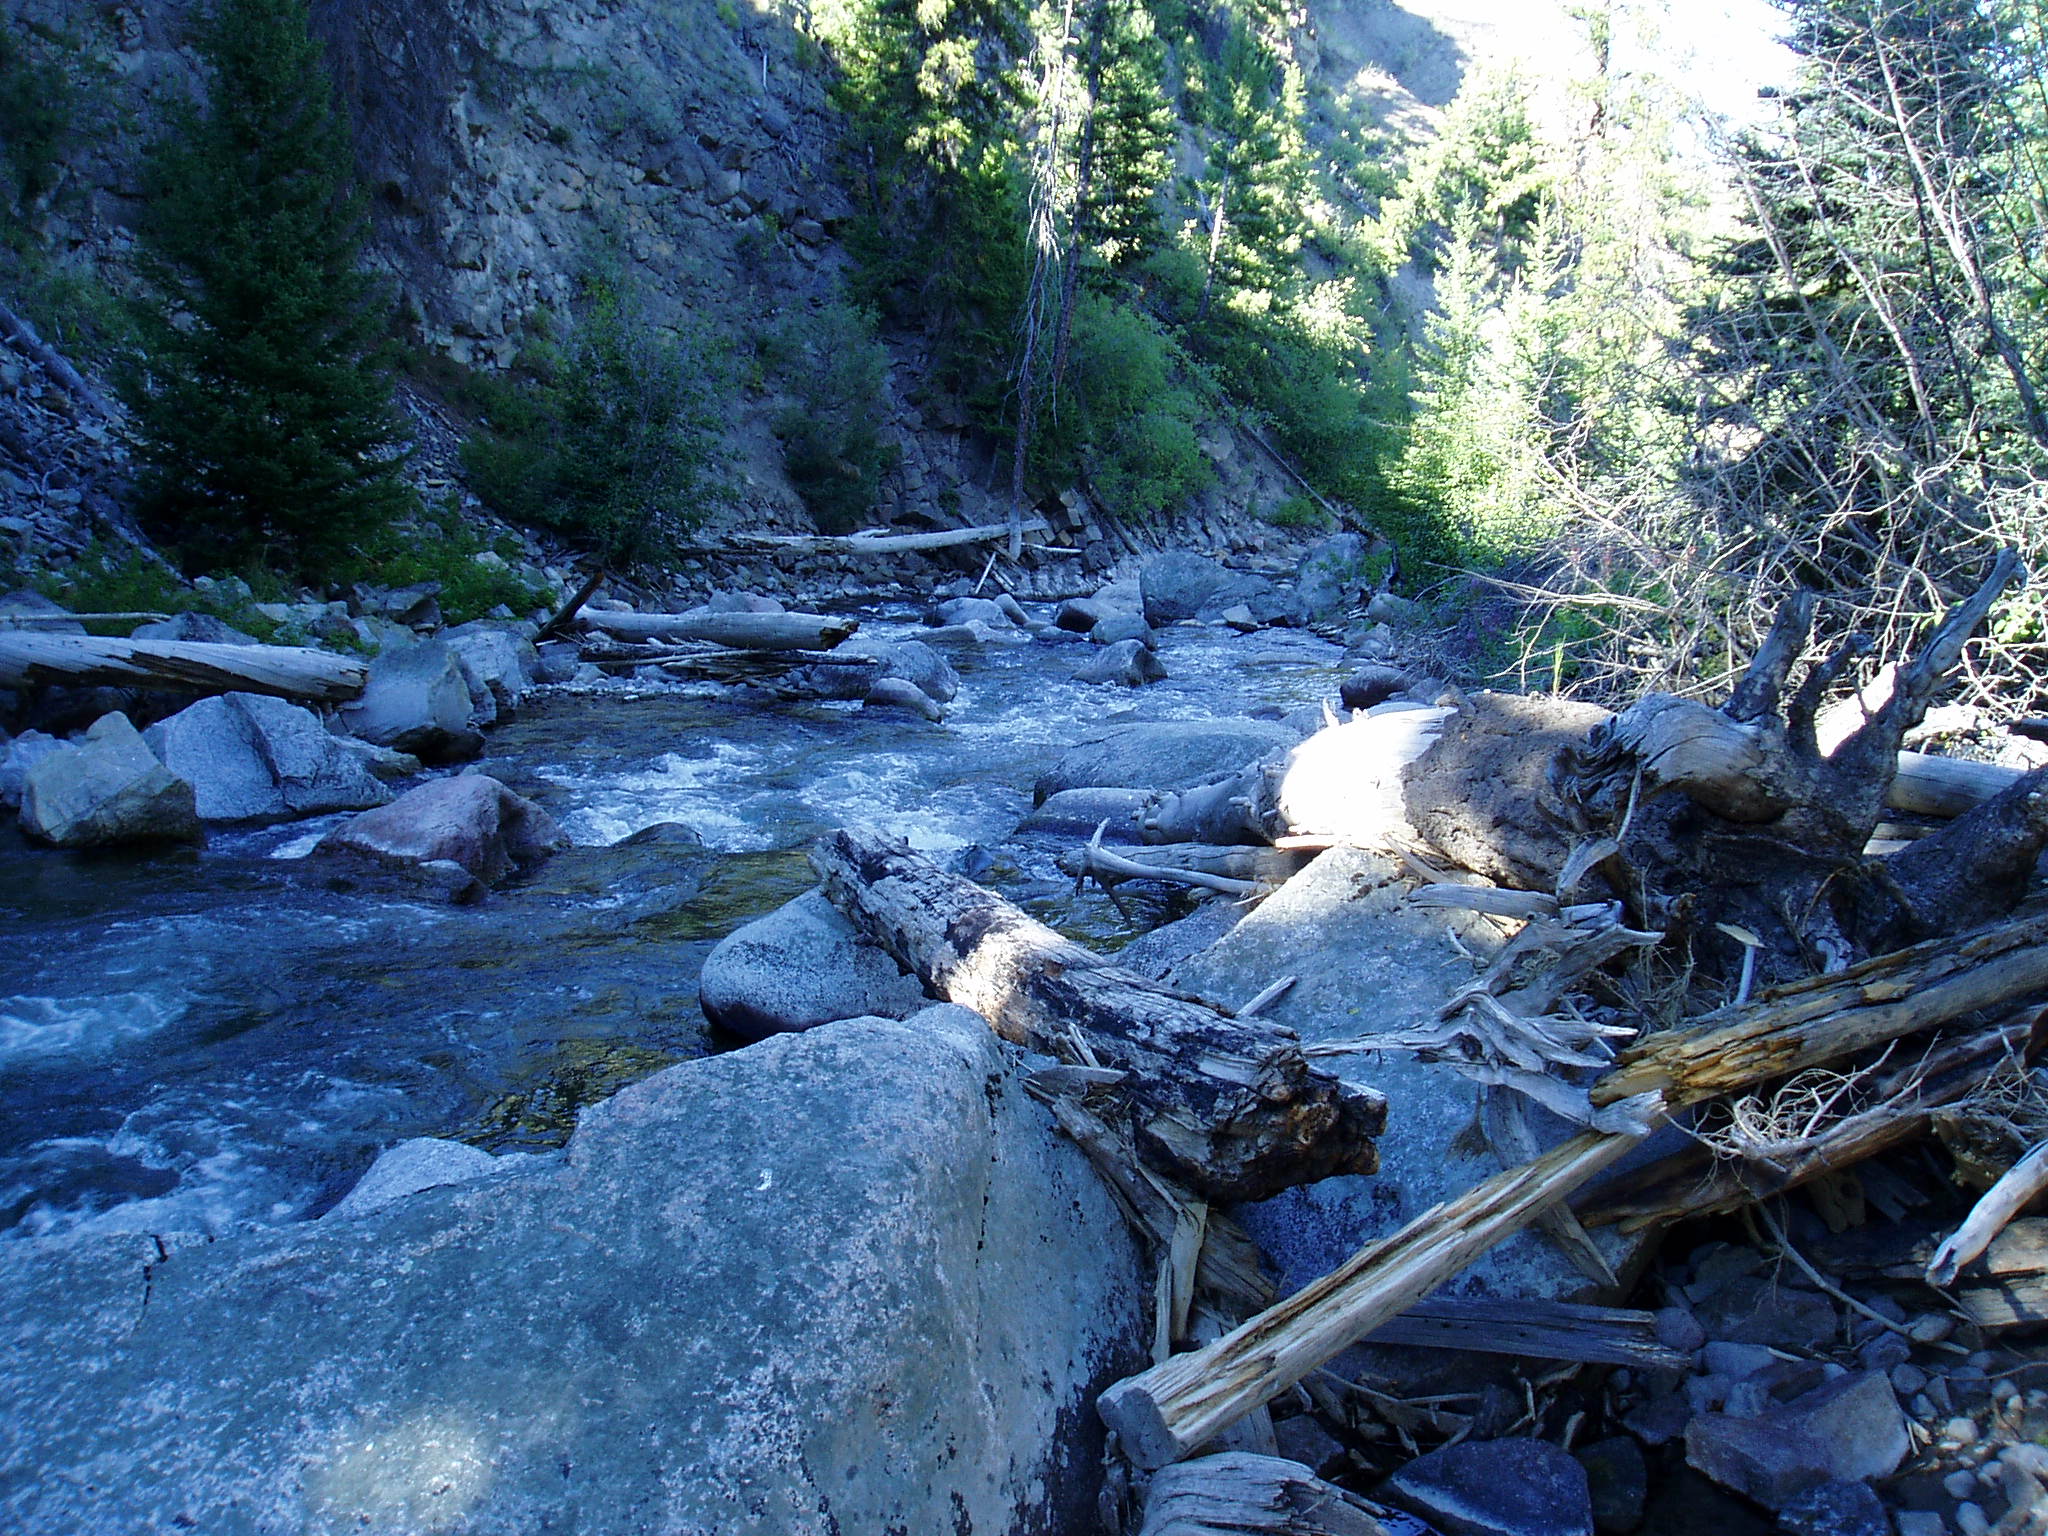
(226, 1037)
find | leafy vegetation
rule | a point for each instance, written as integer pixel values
(835, 373)
(261, 394)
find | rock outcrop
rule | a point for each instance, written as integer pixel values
(471, 824)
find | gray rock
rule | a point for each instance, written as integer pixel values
(107, 788)
(913, 661)
(1303, 1439)
(1754, 1309)
(416, 607)
(1366, 961)
(969, 610)
(555, 661)
(27, 749)
(849, 1281)
(1120, 625)
(424, 1162)
(1371, 685)
(1129, 663)
(1013, 610)
(1617, 1482)
(1495, 1488)
(194, 626)
(1850, 1429)
(1175, 585)
(253, 758)
(899, 693)
(1239, 617)
(800, 966)
(1167, 754)
(1400, 612)
(977, 632)
(26, 600)
(1332, 578)
(498, 665)
(1835, 1509)
(384, 763)
(1678, 1329)
(1079, 615)
(471, 821)
(741, 602)
(418, 701)
(1738, 1360)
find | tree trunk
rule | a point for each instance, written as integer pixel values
(1228, 1108)
(741, 631)
(282, 671)
(869, 543)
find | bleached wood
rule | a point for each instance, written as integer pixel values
(282, 671)
(741, 631)
(1166, 1413)
(1988, 1217)
(872, 543)
(1240, 1493)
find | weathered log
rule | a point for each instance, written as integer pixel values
(1234, 870)
(741, 631)
(1989, 1216)
(1172, 1410)
(870, 543)
(283, 671)
(1238, 1493)
(1536, 1330)
(1807, 1023)
(57, 620)
(558, 621)
(1231, 1109)
(1699, 1181)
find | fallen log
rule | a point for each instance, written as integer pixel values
(1167, 1413)
(1807, 1023)
(56, 620)
(1238, 1493)
(740, 631)
(870, 543)
(1230, 1109)
(1536, 1330)
(282, 671)
(1707, 1181)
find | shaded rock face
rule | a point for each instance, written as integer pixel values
(22, 753)
(472, 822)
(253, 758)
(498, 665)
(108, 788)
(1370, 963)
(844, 1281)
(1169, 754)
(417, 700)
(800, 966)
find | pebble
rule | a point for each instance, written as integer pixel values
(1972, 1521)
(2027, 1458)
(1959, 1431)
(2003, 1391)
(1921, 1522)
(1931, 1329)
(1923, 1407)
(1937, 1388)
(1960, 1485)
(1908, 1379)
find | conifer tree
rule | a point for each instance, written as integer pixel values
(262, 405)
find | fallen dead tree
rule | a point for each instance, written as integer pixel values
(739, 631)
(281, 671)
(717, 663)
(1229, 1109)
(868, 543)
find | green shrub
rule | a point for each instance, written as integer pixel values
(442, 545)
(1296, 512)
(609, 437)
(836, 375)
(106, 578)
(1129, 425)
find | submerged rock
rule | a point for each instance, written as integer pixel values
(105, 789)
(254, 758)
(472, 822)
(847, 1281)
(901, 694)
(800, 966)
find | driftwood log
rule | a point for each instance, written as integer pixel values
(1228, 1108)
(1238, 1493)
(741, 631)
(282, 671)
(869, 543)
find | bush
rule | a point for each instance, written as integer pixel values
(441, 545)
(609, 438)
(1130, 422)
(836, 375)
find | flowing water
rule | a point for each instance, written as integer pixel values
(211, 1039)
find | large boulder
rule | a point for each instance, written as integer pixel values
(471, 822)
(914, 662)
(253, 758)
(846, 1281)
(1335, 576)
(967, 610)
(1166, 754)
(417, 700)
(1368, 962)
(107, 788)
(1182, 586)
(797, 967)
(1131, 663)
(498, 664)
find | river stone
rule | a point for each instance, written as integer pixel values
(1332, 577)
(471, 821)
(418, 701)
(1078, 812)
(249, 757)
(26, 750)
(424, 1162)
(847, 1281)
(1119, 625)
(900, 693)
(1164, 754)
(1367, 962)
(1079, 615)
(1175, 585)
(1128, 662)
(1515, 1487)
(797, 967)
(194, 626)
(498, 665)
(107, 788)
(913, 661)
(1850, 1429)
(967, 610)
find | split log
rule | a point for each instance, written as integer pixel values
(870, 543)
(1170, 1411)
(1898, 1107)
(1230, 1109)
(1807, 1023)
(282, 671)
(740, 631)
(1237, 1493)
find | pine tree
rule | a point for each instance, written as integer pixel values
(262, 404)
